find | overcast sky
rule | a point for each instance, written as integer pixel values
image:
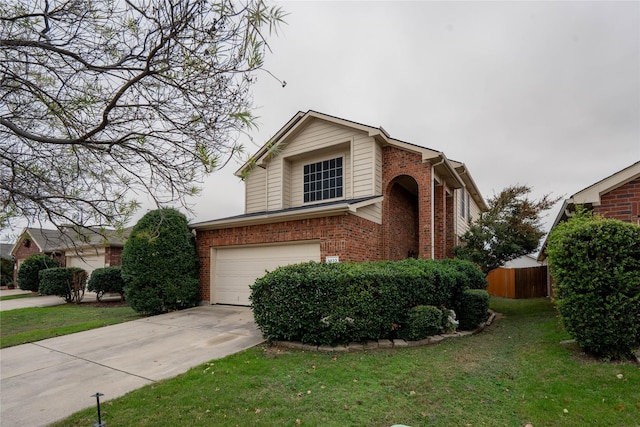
(539, 93)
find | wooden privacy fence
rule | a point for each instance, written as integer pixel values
(518, 283)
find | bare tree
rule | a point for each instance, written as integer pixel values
(104, 100)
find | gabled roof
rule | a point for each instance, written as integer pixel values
(454, 173)
(5, 250)
(49, 241)
(591, 196)
(300, 212)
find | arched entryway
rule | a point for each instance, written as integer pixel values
(402, 219)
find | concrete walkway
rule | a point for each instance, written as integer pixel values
(48, 380)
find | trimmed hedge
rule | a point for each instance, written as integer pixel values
(28, 274)
(352, 302)
(106, 280)
(62, 282)
(475, 306)
(423, 321)
(596, 266)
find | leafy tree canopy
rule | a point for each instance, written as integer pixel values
(103, 99)
(509, 229)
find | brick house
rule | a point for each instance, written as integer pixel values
(332, 190)
(616, 196)
(88, 250)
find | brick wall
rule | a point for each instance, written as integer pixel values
(350, 237)
(112, 255)
(395, 163)
(402, 221)
(623, 203)
(25, 250)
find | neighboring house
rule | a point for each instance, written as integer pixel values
(88, 249)
(332, 190)
(616, 196)
(525, 261)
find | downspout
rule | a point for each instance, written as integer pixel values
(433, 206)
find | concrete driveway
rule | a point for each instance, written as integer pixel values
(48, 380)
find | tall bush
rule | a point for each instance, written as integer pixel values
(160, 264)
(595, 263)
(28, 278)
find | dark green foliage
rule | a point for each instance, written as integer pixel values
(472, 275)
(28, 278)
(63, 282)
(106, 280)
(160, 264)
(473, 308)
(6, 272)
(338, 303)
(512, 227)
(423, 321)
(595, 263)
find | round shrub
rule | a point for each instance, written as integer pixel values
(160, 264)
(595, 263)
(473, 310)
(65, 282)
(28, 278)
(423, 321)
(106, 280)
(472, 275)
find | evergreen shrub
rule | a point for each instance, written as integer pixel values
(28, 274)
(323, 303)
(473, 308)
(106, 280)
(595, 263)
(62, 282)
(423, 321)
(160, 264)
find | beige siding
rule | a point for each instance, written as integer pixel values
(316, 136)
(377, 172)
(462, 224)
(371, 212)
(274, 184)
(255, 191)
(363, 162)
(280, 184)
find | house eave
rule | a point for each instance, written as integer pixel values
(286, 215)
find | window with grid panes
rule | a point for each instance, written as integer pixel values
(323, 180)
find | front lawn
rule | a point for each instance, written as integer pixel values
(26, 325)
(516, 371)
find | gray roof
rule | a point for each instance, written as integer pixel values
(68, 237)
(5, 250)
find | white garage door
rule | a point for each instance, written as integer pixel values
(87, 262)
(236, 268)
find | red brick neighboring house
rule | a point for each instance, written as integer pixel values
(616, 196)
(332, 190)
(88, 250)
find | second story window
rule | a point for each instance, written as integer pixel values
(323, 180)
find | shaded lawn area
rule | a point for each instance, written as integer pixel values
(26, 325)
(514, 372)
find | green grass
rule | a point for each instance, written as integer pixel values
(26, 325)
(515, 372)
(19, 296)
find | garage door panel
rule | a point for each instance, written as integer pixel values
(237, 268)
(87, 262)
